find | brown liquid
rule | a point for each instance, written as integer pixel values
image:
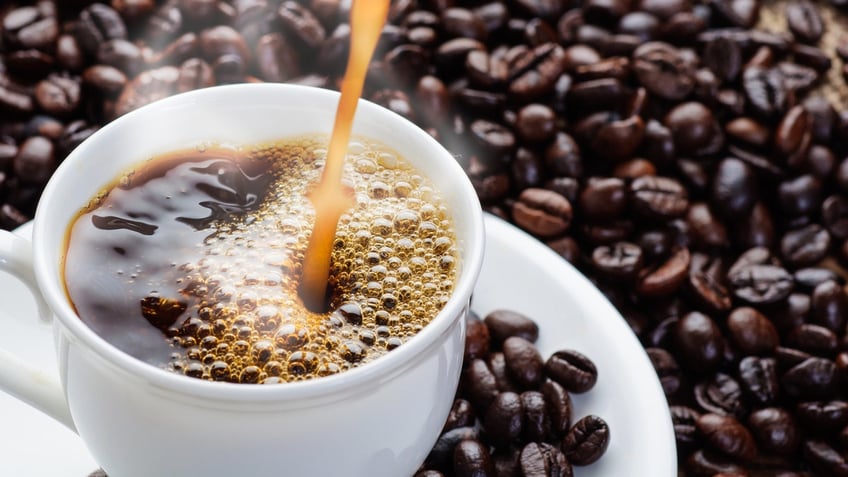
(329, 199)
(192, 262)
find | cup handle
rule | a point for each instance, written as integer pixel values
(32, 385)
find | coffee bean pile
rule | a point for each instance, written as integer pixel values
(513, 412)
(678, 156)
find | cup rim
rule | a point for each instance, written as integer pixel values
(384, 366)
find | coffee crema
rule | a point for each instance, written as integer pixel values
(192, 261)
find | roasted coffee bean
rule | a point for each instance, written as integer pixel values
(442, 455)
(734, 188)
(813, 378)
(504, 419)
(829, 306)
(823, 417)
(97, 24)
(749, 132)
(666, 277)
(683, 419)
(805, 246)
(721, 394)
(195, 74)
(480, 384)
(774, 430)
(804, 21)
(536, 123)
(535, 72)
(58, 95)
(104, 79)
(708, 231)
(726, 435)
(834, 212)
(524, 363)
(563, 157)
(301, 24)
(824, 459)
(706, 285)
(493, 138)
(35, 161)
(148, 87)
(658, 197)
(543, 460)
(587, 440)
(811, 277)
(123, 55)
(497, 365)
(461, 415)
(813, 339)
(536, 424)
(758, 378)
(223, 40)
(276, 59)
(663, 71)
(692, 126)
(752, 332)
(559, 407)
(505, 323)
(723, 56)
(699, 342)
(666, 368)
(476, 338)
(542, 212)
(26, 27)
(756, 230)
(573, 370)
(619, 260)
(471, 458)
(68, 53)
(526, 169)
(760, 284)
(765, 90)
(703, 463)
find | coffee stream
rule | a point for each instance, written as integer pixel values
(329, 198)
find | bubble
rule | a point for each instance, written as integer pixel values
(208, 342)
(273, 368)
(365, 166)
(302, 363)
(402, 189)
(250, 375)
(219, 370)
(353, 351)
(377, 272)
(289, 337)
(262, 351)
(373, 289)
(378, 190)
(381, 226)
(406, 221)
(387, 160)
(393, 342)
(194, 369)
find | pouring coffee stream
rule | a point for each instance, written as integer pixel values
(329, 198)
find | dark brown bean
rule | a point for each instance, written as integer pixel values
(587, 440)
(523, 361)
(573, 370)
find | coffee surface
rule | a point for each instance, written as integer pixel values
(192, 262)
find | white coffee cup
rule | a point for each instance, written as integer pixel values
(380, 419)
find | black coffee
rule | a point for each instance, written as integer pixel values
(192, 262)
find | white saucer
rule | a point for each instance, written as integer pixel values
(519, 273)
